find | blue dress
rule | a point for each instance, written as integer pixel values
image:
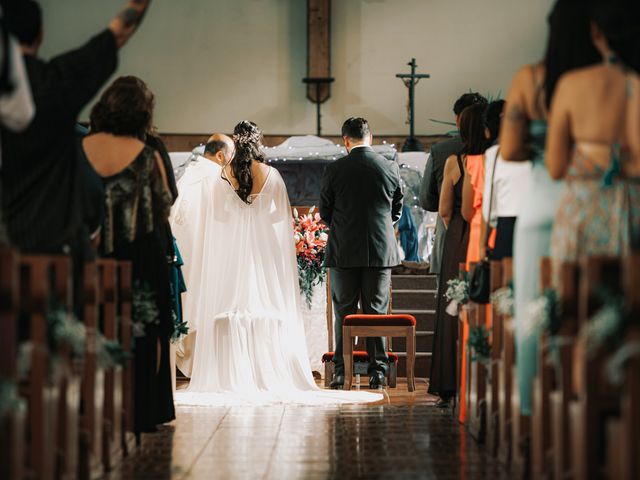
(532, 243)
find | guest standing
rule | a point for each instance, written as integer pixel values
(522, 137)
(588, 145)
(137, 202)
(16, 103)
(502, 185)
(431, 185)
(443, 377)
(41, 182)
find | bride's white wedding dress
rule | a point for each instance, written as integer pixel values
(250, 345)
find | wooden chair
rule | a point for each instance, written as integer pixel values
(13, 424)
(360, 325)
(543, 384)
(493, 378)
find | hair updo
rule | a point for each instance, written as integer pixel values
(248, 139)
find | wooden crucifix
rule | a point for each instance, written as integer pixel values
(318, 77)
(412, 144)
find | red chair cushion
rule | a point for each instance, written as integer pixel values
(361, 320)
(359, 356)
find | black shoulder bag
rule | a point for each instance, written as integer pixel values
(480, 280)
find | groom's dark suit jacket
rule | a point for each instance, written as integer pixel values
(360, 200)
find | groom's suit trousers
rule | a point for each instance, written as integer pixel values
(368, 286)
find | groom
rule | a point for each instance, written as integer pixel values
(360, 200)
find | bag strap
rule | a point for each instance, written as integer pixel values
(493, 174)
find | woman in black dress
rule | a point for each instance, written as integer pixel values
(137, 204)
(443, 377)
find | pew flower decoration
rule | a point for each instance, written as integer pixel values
(607, 326)
(310, 237)
(458, 295)
(503, 300)
(145, 309)
(478, 343)
(543, 314)
(9, 399)
(110, 353)
(65, 329)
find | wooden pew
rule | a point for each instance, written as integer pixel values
(13, 424)
(596, 397)
(562, 394)
(476, 378)
(70, 377)
(543, 384)
(125, 305)
(505, 378)
(41, 392)
(493, 378)
(623, 433)
(113, 376)
(91, 423)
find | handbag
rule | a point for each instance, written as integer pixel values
(480, 279)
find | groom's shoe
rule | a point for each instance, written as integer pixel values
(338, 382)
(376, 380)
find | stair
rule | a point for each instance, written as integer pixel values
(415, 295)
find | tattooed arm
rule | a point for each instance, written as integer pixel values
(127, 21)
(514, 131)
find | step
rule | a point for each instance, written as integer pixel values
(414, 299)
(421, 369)
(424, 343)
(425, 319)
(413, 282)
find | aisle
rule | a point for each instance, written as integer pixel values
(404, 438)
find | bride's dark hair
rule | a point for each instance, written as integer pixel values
(248, 139)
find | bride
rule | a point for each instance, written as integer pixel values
(250, 345)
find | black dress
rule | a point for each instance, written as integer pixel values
(137, 206)
(442, 380)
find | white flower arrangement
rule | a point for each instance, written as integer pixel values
(615, 365)
(603, 327)
(541, 314)
(503, 301)
(458, 295)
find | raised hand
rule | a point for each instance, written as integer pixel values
(127, 21)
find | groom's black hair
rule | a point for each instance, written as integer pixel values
(355, 128)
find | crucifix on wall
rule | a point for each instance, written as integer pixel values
(318, 77)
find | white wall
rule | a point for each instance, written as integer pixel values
(214, 62)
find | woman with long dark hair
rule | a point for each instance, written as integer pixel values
(522, 138)
(589, 144)
(443, 377)
(137, 203)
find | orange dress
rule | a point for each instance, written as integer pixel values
(475, 168)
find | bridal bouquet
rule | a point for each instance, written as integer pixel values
(310, 237)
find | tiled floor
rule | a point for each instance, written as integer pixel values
(404, 437)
